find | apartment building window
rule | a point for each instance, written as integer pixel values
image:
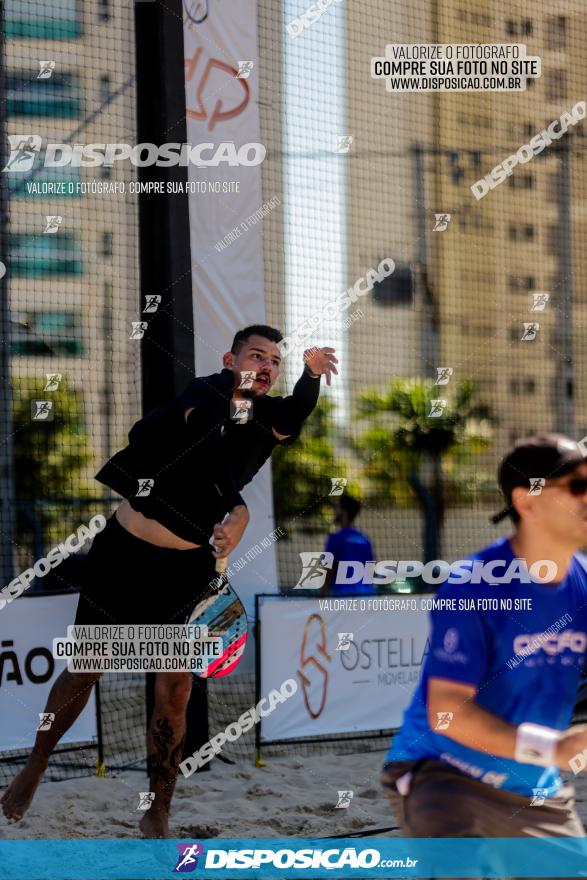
(57, 96)
(522, 282)
(523, 232)
(104, 10)
(104, 91)
(43, 19)
(555, 86)
(106, 244)
(475, 159)
(43, 183)
(46, 333)
(519, 180)
(555, 32)
(32, 255)
(519, 28)
(522, 386)
(474, 121)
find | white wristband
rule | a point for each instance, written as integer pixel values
(536, 744)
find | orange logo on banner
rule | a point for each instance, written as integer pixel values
(217, 114)
(307, 660)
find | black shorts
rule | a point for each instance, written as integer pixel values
(129, 580)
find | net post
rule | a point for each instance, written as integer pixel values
(167, 348)
(100, 765)
(6, 448)
(259, 762)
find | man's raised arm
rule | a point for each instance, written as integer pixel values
(295, 409)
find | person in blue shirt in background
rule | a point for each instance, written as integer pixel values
(487, 732)
(347, 545)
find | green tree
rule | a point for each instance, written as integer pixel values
(302, 474)
(403, 440)
(49, 457)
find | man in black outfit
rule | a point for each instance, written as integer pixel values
(181, 476)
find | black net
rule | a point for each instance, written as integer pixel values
(474, 339)
(70, 295)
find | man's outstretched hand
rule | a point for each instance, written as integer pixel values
(321, 361)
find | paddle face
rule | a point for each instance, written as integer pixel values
(221, 610)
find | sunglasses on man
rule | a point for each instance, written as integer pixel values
(577, 486)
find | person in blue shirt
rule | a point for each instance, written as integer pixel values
(487, 732)
(347, 545)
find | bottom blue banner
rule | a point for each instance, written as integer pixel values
(293, 857)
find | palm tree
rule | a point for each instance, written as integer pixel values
(406, 449)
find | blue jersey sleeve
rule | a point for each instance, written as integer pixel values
(331, 545)
(459, 649)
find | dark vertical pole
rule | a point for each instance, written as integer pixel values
(6, 446)
(257, 677)
(564, 390)
(427, 311)
(167, 348)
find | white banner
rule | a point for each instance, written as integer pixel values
(28, 669)
(226, 239)
(366, 686)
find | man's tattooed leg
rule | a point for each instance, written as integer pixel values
(163, 758)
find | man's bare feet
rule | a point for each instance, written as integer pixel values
(18, 796)
(155, 823)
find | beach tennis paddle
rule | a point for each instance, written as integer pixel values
(221, 610)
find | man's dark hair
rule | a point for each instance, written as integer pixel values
(255, 330)
(351, 505)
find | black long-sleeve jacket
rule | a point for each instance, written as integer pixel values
(199, 466)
